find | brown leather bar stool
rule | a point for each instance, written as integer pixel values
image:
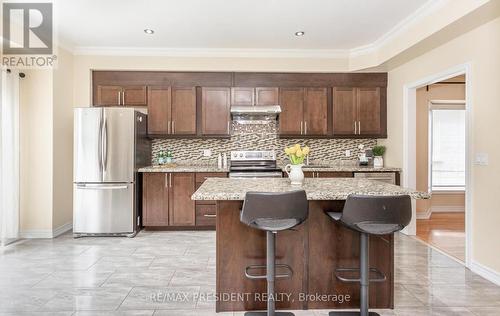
(370, 215)
(273, 212)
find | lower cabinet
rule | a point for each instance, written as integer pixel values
(167, 199)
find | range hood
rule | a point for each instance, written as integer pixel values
(254, 114)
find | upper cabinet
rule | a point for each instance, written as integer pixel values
(254, 96)
(359, 112)
(304, 112)
(197, 104)
(171, 111)
(111, 95)
(215, 111)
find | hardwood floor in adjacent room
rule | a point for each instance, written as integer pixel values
(445, 231)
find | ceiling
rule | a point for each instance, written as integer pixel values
(229, 24)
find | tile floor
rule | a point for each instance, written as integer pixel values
(120, 276)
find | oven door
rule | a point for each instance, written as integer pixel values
(255, 174)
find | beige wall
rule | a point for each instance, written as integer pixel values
(479, 48)
(36, 142)
(435, 92)
(63, 140)
(46, 148)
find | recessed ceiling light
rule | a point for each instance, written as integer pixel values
(300, 33)
(149, 31)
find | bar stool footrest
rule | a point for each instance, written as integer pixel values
(380, 276)
(265, 314)
(288, 274)
(340, 313)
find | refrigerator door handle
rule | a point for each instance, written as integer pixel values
(105, 145)
(99, 145)
(101, 187)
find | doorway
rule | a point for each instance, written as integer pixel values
(440, 165)
(436, 159)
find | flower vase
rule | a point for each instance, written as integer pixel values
(295, 174)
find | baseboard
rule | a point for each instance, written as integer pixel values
(447, 209)
(62, 229)
(46, 233)
(487, 273)
(424, 215)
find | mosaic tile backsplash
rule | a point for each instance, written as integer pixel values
(256, 137)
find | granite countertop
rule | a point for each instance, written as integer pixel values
(183, 168)
(214, 189)
(345, 168)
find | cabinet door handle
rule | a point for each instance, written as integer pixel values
(355, 128)
(210, 215)
(359, 127)
(166, 180)
(301, 125)
(228, 127)
(119, 97)
(170, 179)
(305, 128)
(173, 127)
(168, 127)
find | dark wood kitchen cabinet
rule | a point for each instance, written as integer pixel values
(316, 111)
(171, 111)
(155, 201)
(167, 199)
(254, 96)
(182, 208)
(120, 95)
(215, 107)
(358, 112)
(291, 119)
(304, 111)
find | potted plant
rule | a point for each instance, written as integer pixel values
(378, 152)
(164, 157)
(296, 154)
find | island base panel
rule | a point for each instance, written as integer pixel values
(313, 250)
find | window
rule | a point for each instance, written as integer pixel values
(447, 146)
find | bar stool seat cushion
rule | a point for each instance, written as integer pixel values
(273, 224)
(378, 228)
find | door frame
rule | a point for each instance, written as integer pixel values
(409, 144)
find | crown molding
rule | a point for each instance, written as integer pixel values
(214, 52)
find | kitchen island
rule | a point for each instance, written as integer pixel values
(313, 250)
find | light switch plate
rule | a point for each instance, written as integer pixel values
(348, 153)
(481, 159)
(207, 152)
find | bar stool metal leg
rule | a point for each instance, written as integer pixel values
(270, 278)
(364, 280)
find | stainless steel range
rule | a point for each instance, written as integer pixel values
(254, 164)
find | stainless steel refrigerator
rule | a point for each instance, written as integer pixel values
(110, 144)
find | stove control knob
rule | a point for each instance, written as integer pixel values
(241, 155)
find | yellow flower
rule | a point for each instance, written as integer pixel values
(306, 151)
(287, 151)
(292, 150)
(297, 146)
(299, 153)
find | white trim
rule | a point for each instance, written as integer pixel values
(426, 9)
(213, 52)
(47, 233)
(425, 215)
(486, 272)
(409, 143)
(447, 209)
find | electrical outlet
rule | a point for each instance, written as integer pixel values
(481, 159)
(348, 153)
(207, 152)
